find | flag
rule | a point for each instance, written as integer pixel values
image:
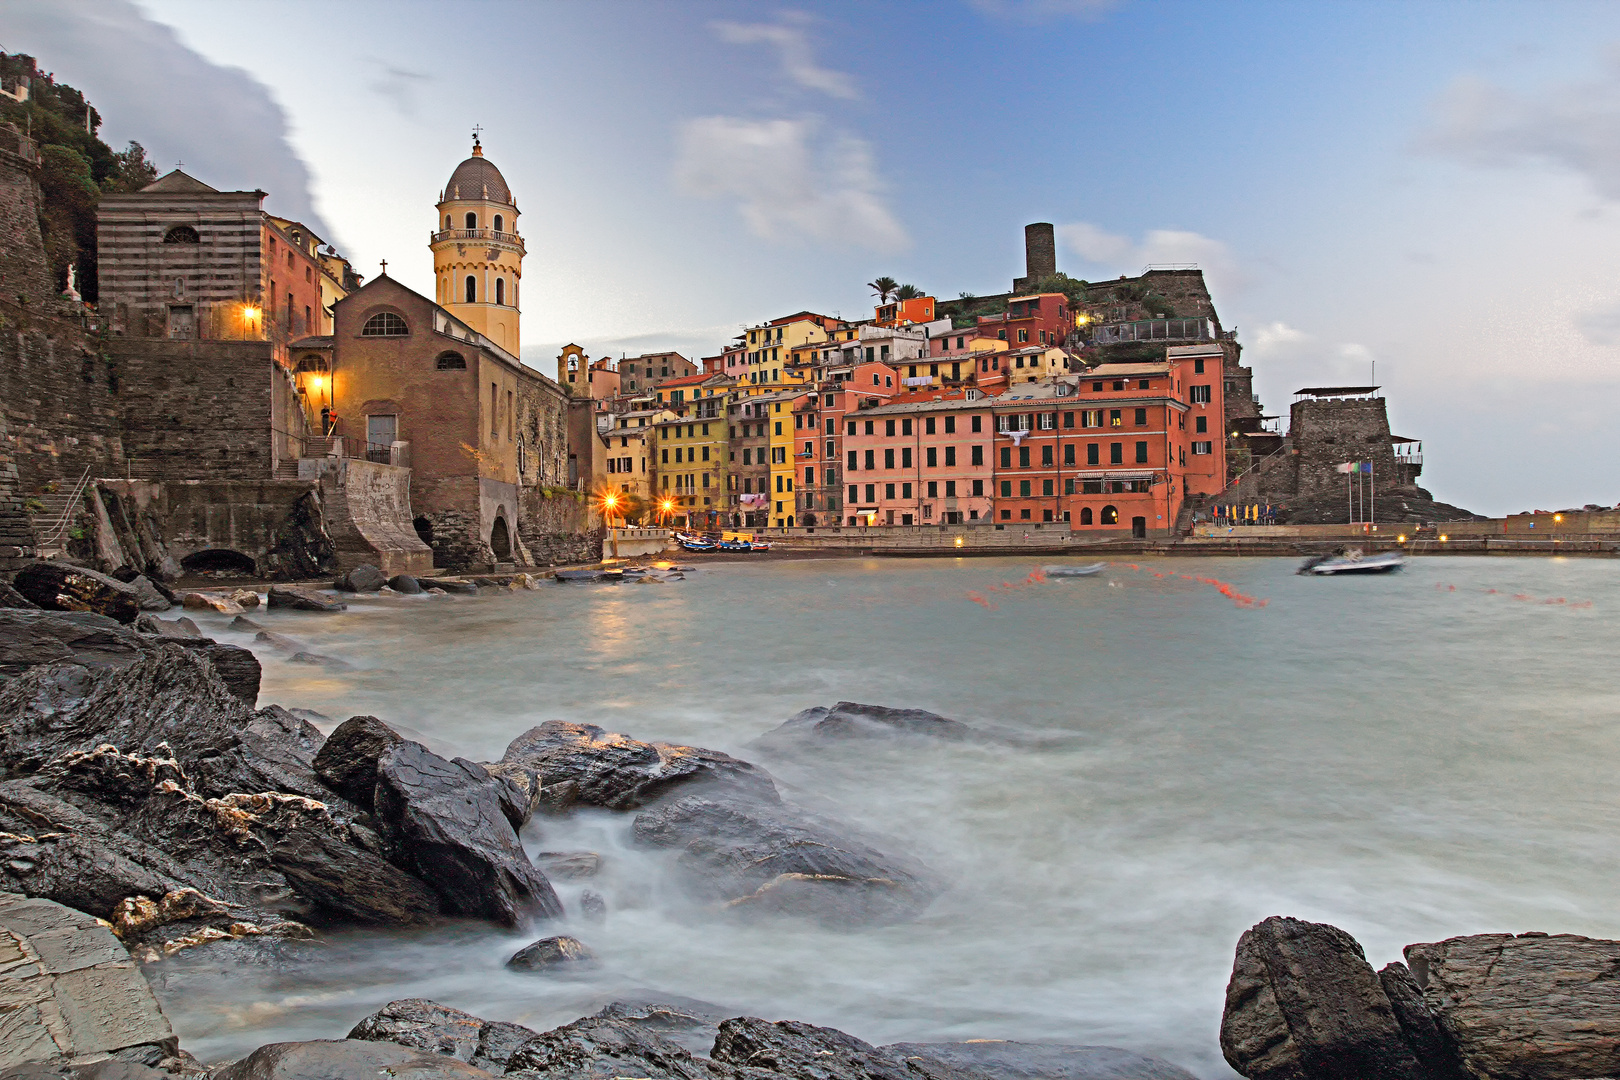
(1354, 467)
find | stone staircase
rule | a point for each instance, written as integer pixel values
(287, 470)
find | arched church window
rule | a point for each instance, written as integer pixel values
(500, 290)
(181, 234)
(447, 222)
(450, 360)
(472, 220)
(472, 289)
(385, 324)
(499, 221)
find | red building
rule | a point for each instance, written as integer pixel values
(819, 429)
(1043, 319)
(920, 462)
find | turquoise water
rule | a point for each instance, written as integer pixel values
(1409, 757)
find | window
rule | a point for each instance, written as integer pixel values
(1141, 418)
(1046, 456)
(500, 290)
(888, 458)
(451, 361)
(1141, 453)
(385, 324)
(1198, 395)
(888, 427)
(1006, 515)
(950, 489)
(472, 220)
(779, 427)
(950, 456)
(950, 425)
(933, 456)
(975, 425)
(1006, 489)
(871, 493)
(1023, 457)
(1091, 454)
(1202, 448)
(888, 491)
(1085, 515)
(1198, 367)
(1046, 489)
(1110, 515)
(1048, 421)
(852, 466)
(1143, 384)
(1114, 419)
(472, 289)
(1023, 335)
(831, 425)
(869, 424)
(905, 492)
(183, 234)
(1006, 457)
(706, 453)
(1068, 419)
(849, 428)
(978, 487)
(499, 223)
(854, 493)
(1116, 453)
(1068, 454)
(928, 426)
(832, 449)
(1023, 489)
(977, 456)
(870, 462)
(1200, 424)
(810, 475)
(905, 458)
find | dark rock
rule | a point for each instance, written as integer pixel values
(455, 585)
(1001, 1060)
(85, 873)
(592, 908)
(445, 822)
(170, 628)
(520, 796)
(282, 746)
(363, 578)
(304, 548)
(351, 882)
(347, 760)
(569, 864)
(30, 638)
(437, 1029)
(278, 641)
(552, 953)
(759, 858)
(1429, 1042)
(807, 1052)
(1527, 1006)
(687, 1021)
(109, 1069)
(404, 583)
(149, 596)
(851, 720)
(318, 660)
(289, 596)
(238, 668)
(243, 624)
(583, 764)
(601, 1049)
(346, 1059)
(58, 586)
(1303, 1003)
(11, 598)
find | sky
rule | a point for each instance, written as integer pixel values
(1431, 188)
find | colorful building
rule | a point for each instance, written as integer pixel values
(478, 254)
(919, 462)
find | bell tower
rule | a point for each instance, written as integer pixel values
(477, 252)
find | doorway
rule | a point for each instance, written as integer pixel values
(1139, 528)
(500, 540)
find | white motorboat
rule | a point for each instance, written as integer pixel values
(1353, 562)
(1088, 570)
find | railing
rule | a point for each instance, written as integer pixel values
(1155, 330)
(484, 235)
(53, 537)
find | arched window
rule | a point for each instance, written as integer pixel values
(500, 290)
(499, 221)
(385, 324)
(1085, 515)
(1110, 515)
(472, 289)
(472, 220)
(447, 221)
(181, 234)
(451, 360)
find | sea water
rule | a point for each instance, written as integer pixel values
(1408, 757)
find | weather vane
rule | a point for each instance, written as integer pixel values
(476, 129)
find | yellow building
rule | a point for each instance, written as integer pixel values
(477, 252)
(691, 469)
(630, 447)
(777, 354)
(783, 442)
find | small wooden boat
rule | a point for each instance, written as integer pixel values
(1352, 562)
(759, 545)
(1088, 570)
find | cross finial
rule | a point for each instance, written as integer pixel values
(476, 129)
(179, 164)
(385, 267)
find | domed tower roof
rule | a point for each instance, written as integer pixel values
(478, 178)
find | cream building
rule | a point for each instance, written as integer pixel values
(477, 252)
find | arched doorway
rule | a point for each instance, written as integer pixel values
(500, 540)
(1139, 527)
(424, 530)
(1110, 515)
(221, 561)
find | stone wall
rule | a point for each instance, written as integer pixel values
(1324, 433)
(559, 527)
(197, 409)
(279, 524)
(368, 515)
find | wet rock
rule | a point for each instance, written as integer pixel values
(1304, 1003)
(1531, 1006)
(592, 908)
(294, 598)
(203, 601)
(569, 864)
(108, 1069)
(85, 873)
(351, 882)
(318, 660)
(57, 586)
(688, 1021)
(346, 1059)
(601, 1049)
(71, 990)
(248, 598)
(148, 595)
(404, 583)
(456, 585)
(446, 824)
(30, 638)
(758, 858)
(583, 764)
(363, 578)
(521, 793)
(1002, 1060)
(245, 625)
(851, 720)
(172, 628)
(279, 641)
(551, 954)
(11, 598)
(807, 1052)
(347, 760)
(426, 1025)
(238, 668)
(282, 746)
(1429, 1042)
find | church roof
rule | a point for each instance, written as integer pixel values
(478, 178)
(177, 182)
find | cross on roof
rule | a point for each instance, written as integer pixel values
(385, 267)
(476, 129)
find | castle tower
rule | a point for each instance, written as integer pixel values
(477, 252)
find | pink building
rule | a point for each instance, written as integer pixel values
(920, 462)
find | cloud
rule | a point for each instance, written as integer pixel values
(398, 86)
(792, 40)
(1277, 339)
(1600, 327)
(1575, 126)
(1043, 10)
(148, 86)
(790, 180)
(1159, 247)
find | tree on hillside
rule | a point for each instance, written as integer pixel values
(908, 292)
(883, 288)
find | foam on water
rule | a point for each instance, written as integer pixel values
(1404, 760)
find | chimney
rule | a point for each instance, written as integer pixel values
(1040, 251)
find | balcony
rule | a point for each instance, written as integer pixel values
(1155, 330)
(481, 236)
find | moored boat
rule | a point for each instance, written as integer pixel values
(1352, 562)
(1087, 570)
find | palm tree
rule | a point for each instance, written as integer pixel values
(907, 292)
(883, 288)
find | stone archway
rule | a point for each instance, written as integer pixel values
(220, 561)
(500, 539)
(424, 530)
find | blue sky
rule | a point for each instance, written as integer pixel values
(1429, 186)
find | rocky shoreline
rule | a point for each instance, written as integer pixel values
(149, 806)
